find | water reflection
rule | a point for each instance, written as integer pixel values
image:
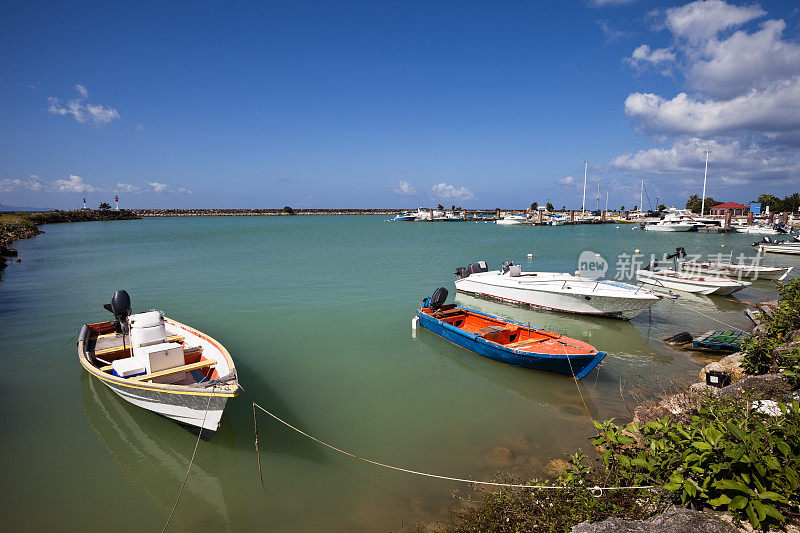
(147, 456)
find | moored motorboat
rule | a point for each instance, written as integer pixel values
(674, 220)
(511, 220)
(161, 365)
(779, 247)
(408, 216)
(555, 291)
(675, 279)
(752, 271)
(506, 341)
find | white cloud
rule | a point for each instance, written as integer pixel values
(773, 110)
(704, 19)
(83, 111)
(735, 162)
(567, 180)
(644, 55)
(128, 188)
(73, 184)
(745, 61)
(157, 187)
(604, 3)
(160, 188)
(443, 191)
(405, 188)
(610, 33)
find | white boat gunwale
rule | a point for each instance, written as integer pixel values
(228, 389)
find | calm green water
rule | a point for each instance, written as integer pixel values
(316, 312)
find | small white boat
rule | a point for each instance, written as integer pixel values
(668, 278)
(160, 365)
(759, 230)
(557, 220)
(555, 291)
(791, 247)
(752, 271)
(674, 220)
(408, 216)
(512, 220)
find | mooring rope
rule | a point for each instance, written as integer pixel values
(191, 461)
(595, 491)
(707, 316)
(585, 406)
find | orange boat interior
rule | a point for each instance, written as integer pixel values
(104, 346)
(508, 334)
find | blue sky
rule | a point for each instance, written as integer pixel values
(396, 104)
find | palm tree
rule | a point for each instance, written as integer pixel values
(104, 206)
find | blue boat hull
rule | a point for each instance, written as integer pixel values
(576, 366)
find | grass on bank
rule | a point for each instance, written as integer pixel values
(725, 456)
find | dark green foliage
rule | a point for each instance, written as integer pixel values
(288, 210)
(511, 510)
(767, 350)
(549, 206)
(728, 457)
(776, 205)
(104, 206)
(695, 203)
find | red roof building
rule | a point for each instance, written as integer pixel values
(732, 207)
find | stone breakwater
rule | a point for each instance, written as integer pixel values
(258, 212)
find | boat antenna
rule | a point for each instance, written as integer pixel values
(705, 176)
(583, 204)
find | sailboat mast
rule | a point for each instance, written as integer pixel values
(641, 197)
(705, 176)
(583, 204)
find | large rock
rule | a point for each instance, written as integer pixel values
(673, 520)
(765, 386)
(730, 363)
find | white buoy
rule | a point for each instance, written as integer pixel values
(530, 256)
(617, 227)
(636, 251)
(414, 322)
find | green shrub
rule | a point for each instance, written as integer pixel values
(763, 352)
(728, 457)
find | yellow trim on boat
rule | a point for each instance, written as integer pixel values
(176, 370)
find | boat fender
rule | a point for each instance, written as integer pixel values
(438, 298)
(414, 322)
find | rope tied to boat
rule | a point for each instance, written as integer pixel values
(191, 461)
(595, 491)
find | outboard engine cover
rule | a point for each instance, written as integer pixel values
(438, 298)
(680, 253)
(461, 273)
(478, 266)
(120, 306)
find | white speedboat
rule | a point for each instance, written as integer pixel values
(161, 365)
(674, 220)
(557, 220)
(555, 291)
(791, 247)
(752, 271)
(512, 220)
(408, 216)
(760, 230)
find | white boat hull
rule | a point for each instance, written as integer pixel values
(563, 293)
(669, 227)
(688, 283)
(793, 249)
(734, 270)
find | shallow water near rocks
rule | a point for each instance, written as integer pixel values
(316, 312)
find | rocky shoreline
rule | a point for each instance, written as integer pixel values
(259, 212)
(18, 226)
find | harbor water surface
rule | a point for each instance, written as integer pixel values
(316, 312)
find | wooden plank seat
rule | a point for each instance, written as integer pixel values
(193, 350)
(176, 370)
(120, 347)
(527, 341)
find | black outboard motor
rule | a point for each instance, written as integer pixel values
(478, 266)
(461, 273)
(120, 306)
(507, 266)
(652, 266)
(680, 253)
(438, 298)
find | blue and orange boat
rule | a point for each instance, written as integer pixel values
(506, 341)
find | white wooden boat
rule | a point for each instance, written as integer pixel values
(555, 291)
(759, 230)
(671, 279)
(161, 365)
(751, 271)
